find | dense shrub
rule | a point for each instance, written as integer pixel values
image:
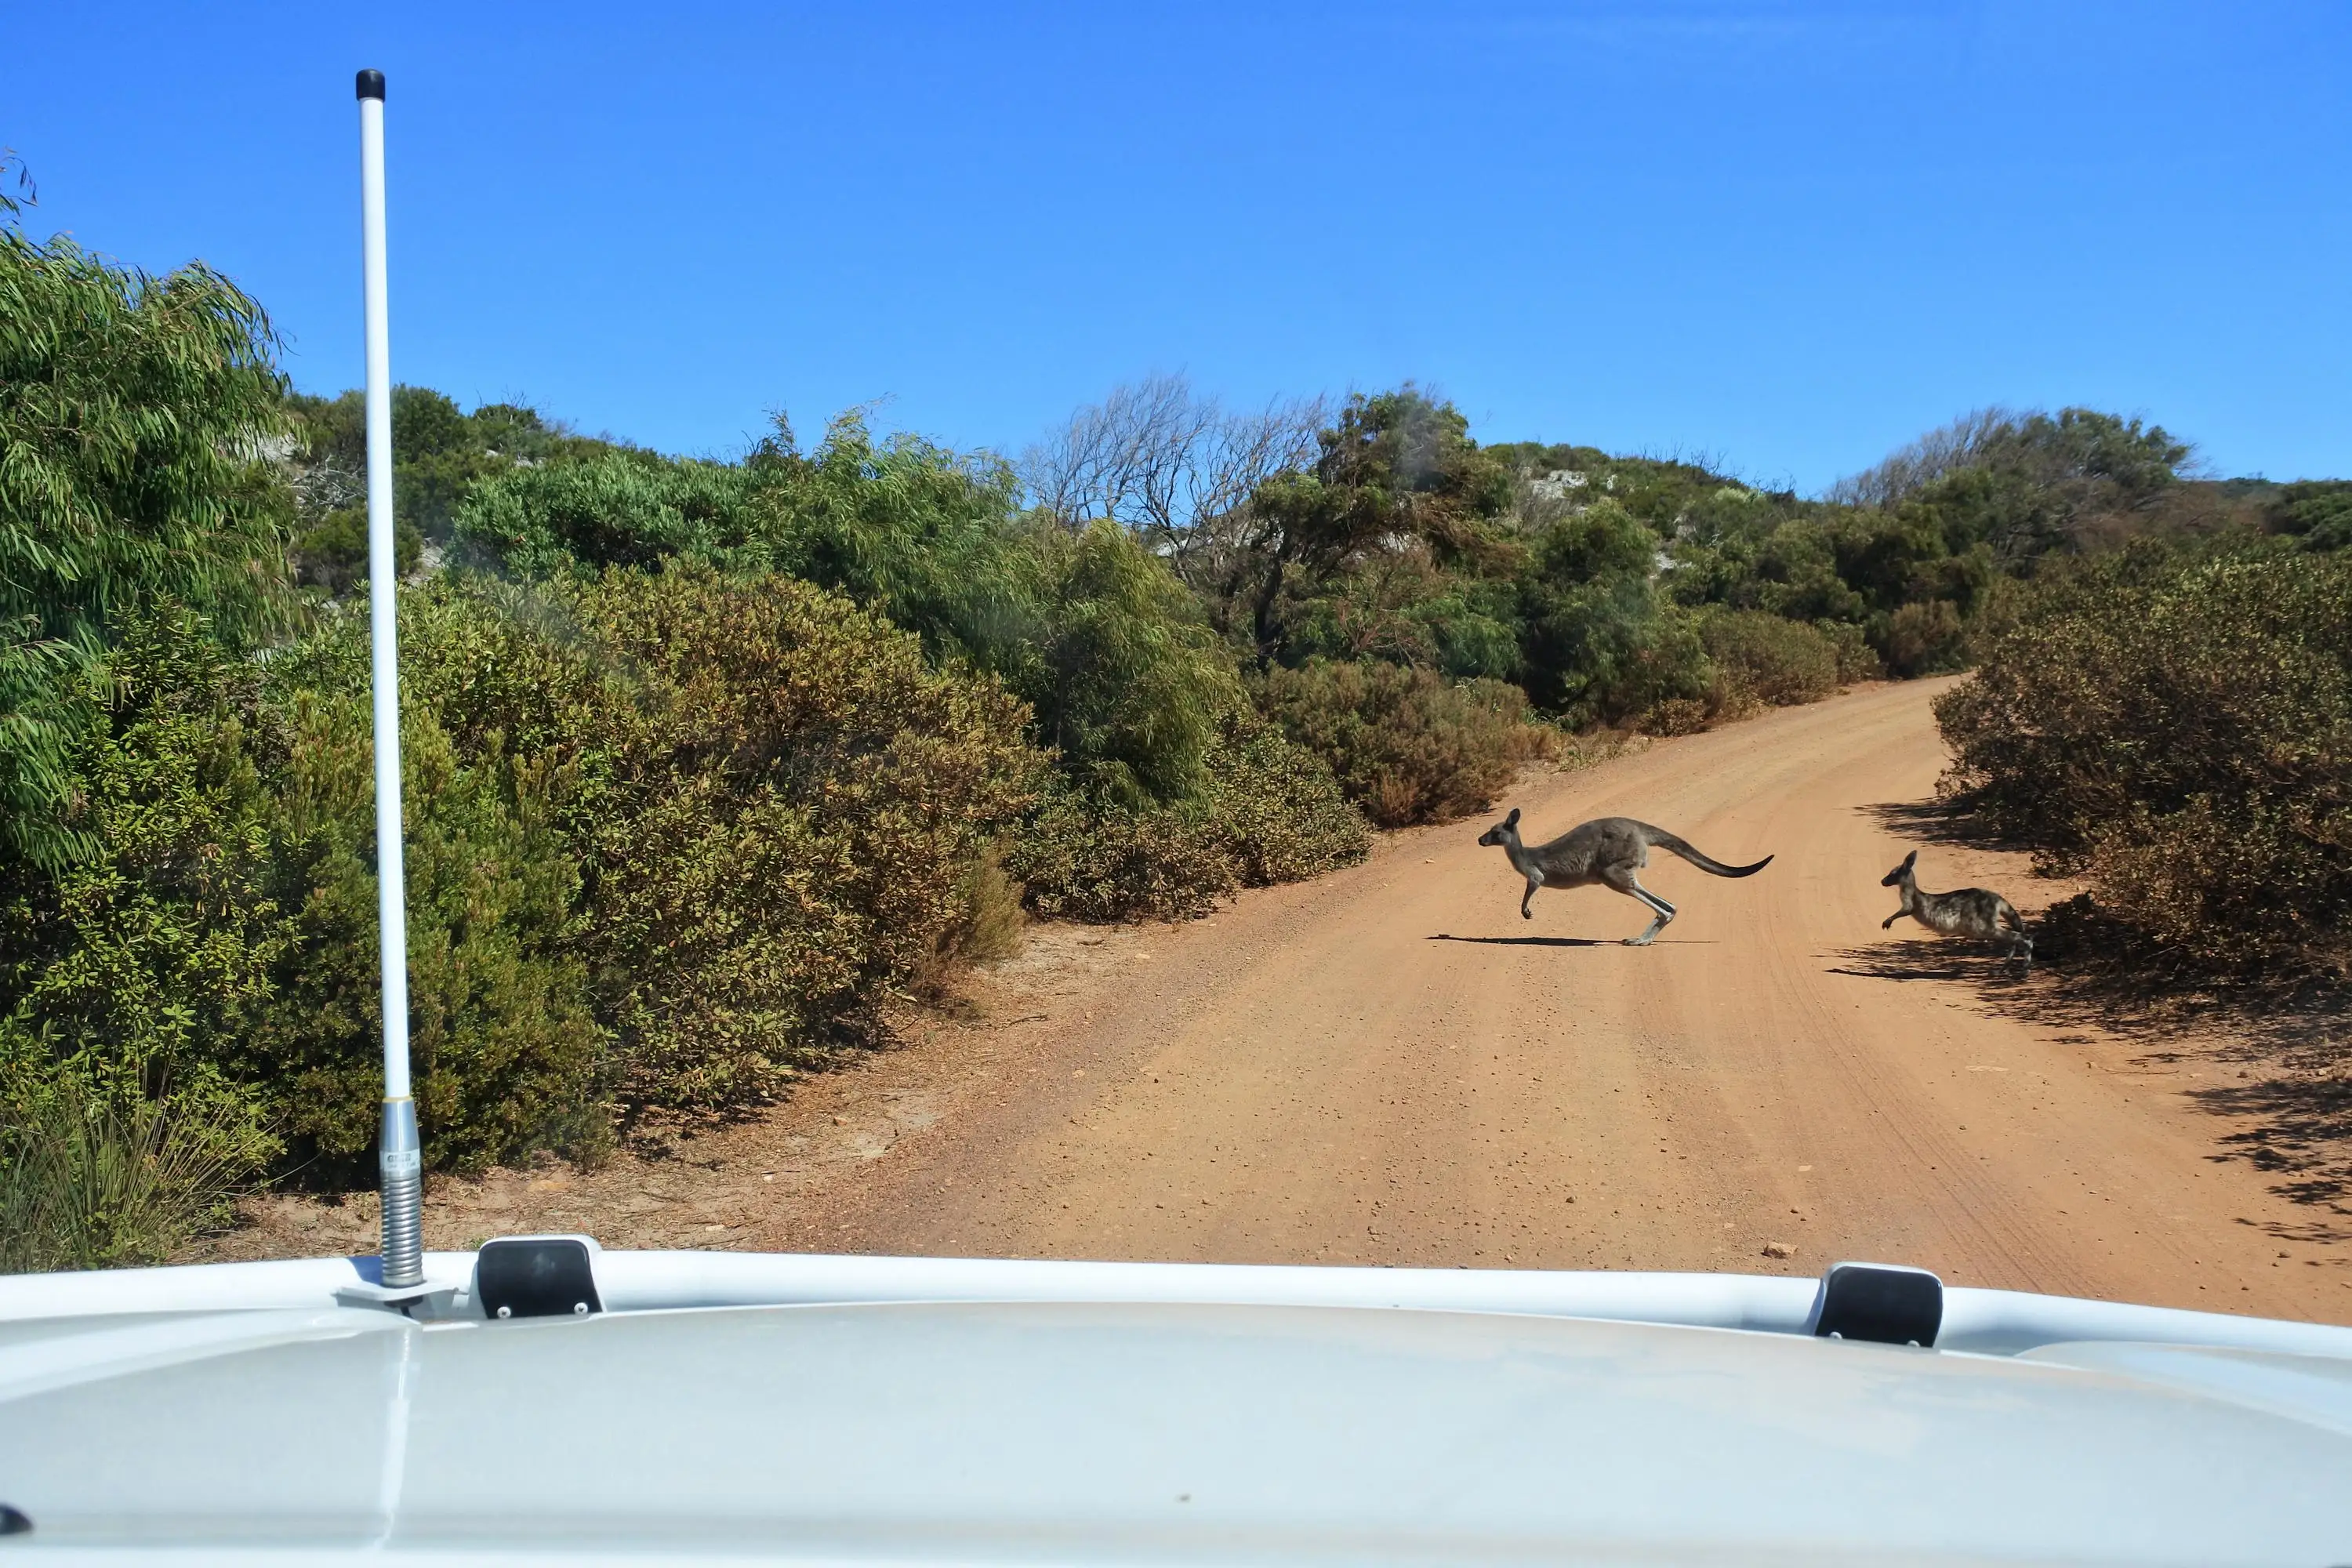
(794, 794)
(2319, 512)
(1761, 658)
(136, 970)
(1126, 681)
(332, 553)
(614, 508)
(441, 457)
(1602, 641)
(1122, 676)
(669, 836)
(1084, 858)
(1856, 659)
(1270, 812)
(507, 1057)
(1279, 814)
(770, 797)
(1924, 638)
(1404, 744)
(2185, 734)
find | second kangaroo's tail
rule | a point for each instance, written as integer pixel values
(1666, 840)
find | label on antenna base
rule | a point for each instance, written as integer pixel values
(398, 1162)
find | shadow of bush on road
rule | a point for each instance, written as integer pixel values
(2302, 1132)
(1943, 820)
(2292, 1103)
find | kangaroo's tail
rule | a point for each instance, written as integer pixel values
(1666, 840)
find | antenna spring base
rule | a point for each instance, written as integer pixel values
(401, 1162)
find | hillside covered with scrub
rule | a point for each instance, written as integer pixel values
(709, 761)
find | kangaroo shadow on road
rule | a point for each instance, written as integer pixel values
(1564, 940)
(1925, 958)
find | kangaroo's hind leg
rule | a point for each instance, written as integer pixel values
(1624, 880)
(2019, 945)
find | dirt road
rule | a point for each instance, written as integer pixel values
(1389, 1066)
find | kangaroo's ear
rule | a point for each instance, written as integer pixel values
(1911, 859)
(1512, 820)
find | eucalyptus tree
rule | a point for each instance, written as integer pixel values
(137, 417)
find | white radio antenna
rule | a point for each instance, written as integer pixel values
(400, 1155)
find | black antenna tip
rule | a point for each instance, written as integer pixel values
(371, 85)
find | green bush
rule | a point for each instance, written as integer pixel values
(132, 411)
(2183, 733)
(136, 970)
(1269, 812)
(1121, 673)
(441, 457)
(1603, 643)
(1085, 858)
(1126, 681)
(1923, 637)
(2319, 512)
(614, 508)
(1406, 746)
(671, 836)
(1279, 814)
(1764, 658)
(507, 1057)
(333, 554)
(793, 798)
(1856, 659)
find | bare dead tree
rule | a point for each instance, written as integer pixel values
(1912, 468)
(1111, 454)
(1174, 465)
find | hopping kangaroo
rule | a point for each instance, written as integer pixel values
(1608, 850)
(1971, 912)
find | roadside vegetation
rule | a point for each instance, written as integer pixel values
(2174, 722)
(706, 761)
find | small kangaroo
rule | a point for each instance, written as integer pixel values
(1971, 912)
(1608, 850)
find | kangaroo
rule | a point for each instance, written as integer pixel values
(1971, 912)
(1608, 850)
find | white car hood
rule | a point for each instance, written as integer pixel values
(1040, 1432)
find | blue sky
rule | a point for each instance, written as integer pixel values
(1787, 236)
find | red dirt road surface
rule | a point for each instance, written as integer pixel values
(1389, 1066)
